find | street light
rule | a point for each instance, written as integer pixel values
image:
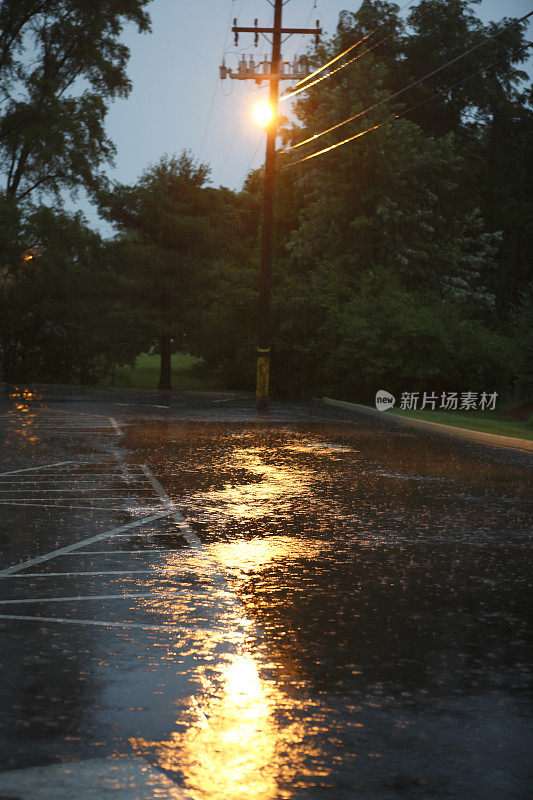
(263, 113)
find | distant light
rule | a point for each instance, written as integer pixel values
(263, 113)
(29, 256)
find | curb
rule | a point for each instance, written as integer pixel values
(480, 437)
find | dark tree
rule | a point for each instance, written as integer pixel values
(172, 227)
(61, 63)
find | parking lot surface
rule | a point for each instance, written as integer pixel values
(199, 602)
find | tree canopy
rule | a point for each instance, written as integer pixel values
(172, 227)
(61, 62)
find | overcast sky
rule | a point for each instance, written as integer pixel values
(178, 100)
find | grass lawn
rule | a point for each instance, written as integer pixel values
(145, 374)
(487, 421)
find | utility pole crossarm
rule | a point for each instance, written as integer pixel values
(275, 31)
(311, 31)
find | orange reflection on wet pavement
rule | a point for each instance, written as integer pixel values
(233, 746)
(21, 418)
(274, 487)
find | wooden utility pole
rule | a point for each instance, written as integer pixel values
(263, 338)
(277, 72)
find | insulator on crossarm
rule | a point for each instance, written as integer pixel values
(303, 67)
(242, 67)
(295, 66)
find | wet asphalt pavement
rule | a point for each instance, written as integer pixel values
(309, 605)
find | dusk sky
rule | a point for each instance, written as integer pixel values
(178, 100)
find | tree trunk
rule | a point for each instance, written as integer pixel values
(164, 377)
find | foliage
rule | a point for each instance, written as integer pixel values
(523, 343)
(60, 63)
(49, 298)
(392, 273)
(173, 227)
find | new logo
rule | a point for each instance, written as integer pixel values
(384, 400)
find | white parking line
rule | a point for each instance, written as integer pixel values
(48, 500)
(107, 572)
(59, 505)
(75, 489)
(114, 423)
(53, 411)
(102, 623)
(87, 597)
(36, 482)
(84, 476)
(33, 469)
(78, 545)
(189, 534)
(40, 427)
(119, 552)
(179, 525)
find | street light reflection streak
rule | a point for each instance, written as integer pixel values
(233, 747)
(271, 492)
(21, 416)
(237, 736)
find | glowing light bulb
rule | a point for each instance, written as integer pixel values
(263, 113)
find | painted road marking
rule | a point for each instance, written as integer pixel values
(159, 571)
(15, 426)
(102, 623)
(48, 500)
(119, 479)
(140, 405)
(83, 475)
(88, 597)
(59, 505)
(49, 426)
(33, 469)
(76, 489)
(120, 552)
(200, 552)
(114, 423)
(69, 548)
(146, 535)
(104, 778)
(189, 534)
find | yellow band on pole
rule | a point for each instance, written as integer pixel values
(263, 374)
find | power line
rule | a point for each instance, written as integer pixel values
(350, 61)
(407, 110)
(210, 113)
(302, 37)
(235, 133)
(406, 88)
(333, 71)
(254, 155)
(345, 52)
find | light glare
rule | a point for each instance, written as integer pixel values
(263, 113)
